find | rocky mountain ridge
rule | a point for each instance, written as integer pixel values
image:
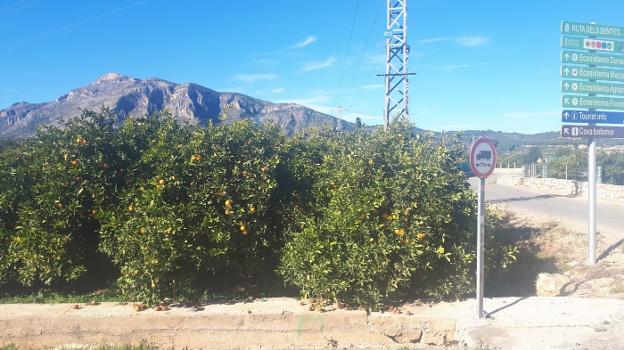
(189, 103)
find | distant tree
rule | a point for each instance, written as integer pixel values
(358, 122)
(533, 154)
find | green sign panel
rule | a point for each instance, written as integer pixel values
(590, 87)
(575, 42)
(591, 73)
(606, 103)
(588, 29)
(595, 59)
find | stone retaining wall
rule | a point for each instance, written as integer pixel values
(562, 187)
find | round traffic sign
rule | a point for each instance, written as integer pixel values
(483, 157)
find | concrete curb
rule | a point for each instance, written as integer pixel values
(270, 323)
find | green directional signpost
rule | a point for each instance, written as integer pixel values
(577, 101)
(576, 72)
(597, 59)
(578, 43)
(592, 66)
(591, 87)
(591, 30)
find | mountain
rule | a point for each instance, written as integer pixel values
(129, 97)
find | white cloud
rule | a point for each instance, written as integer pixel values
(251, 78)
(278, 90)
(316, 65)
(372, 86)
(464, 41)
(523, 115)
(305, 42)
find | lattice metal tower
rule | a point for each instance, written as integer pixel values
(397, 52)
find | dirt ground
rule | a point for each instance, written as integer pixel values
(550, 246)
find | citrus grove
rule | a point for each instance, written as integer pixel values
(164, 210)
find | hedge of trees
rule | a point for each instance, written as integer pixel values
(167, 211)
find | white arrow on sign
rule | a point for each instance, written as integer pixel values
(566, 86)
(566, 132)
(566, 115)
(566, 56)
(566, 101)
(566, 71)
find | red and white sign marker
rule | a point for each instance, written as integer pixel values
(482, 163)
(483, 157)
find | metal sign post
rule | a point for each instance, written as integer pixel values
(482, 163)
(587, 77)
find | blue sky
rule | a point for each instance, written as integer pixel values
(481, 64)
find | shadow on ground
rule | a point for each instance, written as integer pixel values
(519, 278)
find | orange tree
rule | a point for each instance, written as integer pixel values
(394, 215)
(198, 208)
(54, 187)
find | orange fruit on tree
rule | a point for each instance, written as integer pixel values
(399, 231)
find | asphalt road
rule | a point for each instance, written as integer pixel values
(572, 212)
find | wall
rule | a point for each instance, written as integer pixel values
(557, 186)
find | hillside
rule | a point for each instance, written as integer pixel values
(129, 97)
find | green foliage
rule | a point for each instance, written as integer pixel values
(53, 187)
(201, 207)
(533, 155)
(172, 211)
(393, 213)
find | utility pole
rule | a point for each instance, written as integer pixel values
(397, 52)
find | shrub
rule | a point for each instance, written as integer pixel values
(362, 218)
(56, 184)
(393, 217)
(201, 209)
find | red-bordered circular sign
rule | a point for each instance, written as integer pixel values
(483, 157)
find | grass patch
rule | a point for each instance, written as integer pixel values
(8, 347)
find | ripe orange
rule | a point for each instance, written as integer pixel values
(399, 231)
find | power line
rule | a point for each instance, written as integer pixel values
(344, 63)
(370, 32)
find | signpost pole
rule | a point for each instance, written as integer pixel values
(591, 191)
(482, 163)
(480, 250)
(591, 179)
